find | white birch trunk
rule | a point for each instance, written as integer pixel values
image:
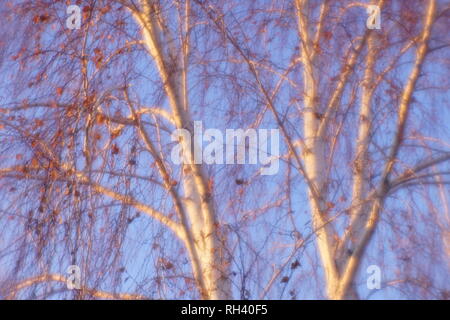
(314, 153)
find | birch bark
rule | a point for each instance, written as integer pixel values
(207, 245)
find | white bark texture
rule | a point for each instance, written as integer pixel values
(205, 243)
(341, 258)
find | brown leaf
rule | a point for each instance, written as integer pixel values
(115, 149)
(115, 133)
(44, 18)
(327, 35)
(100, 119)
(105, 9)
(97, 135)
(166, 264)
(34, 162)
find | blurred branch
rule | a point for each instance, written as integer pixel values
(59, 278)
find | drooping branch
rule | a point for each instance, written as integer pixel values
(15, 290)
(69, 175)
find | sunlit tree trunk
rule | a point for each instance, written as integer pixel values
(206, 243)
